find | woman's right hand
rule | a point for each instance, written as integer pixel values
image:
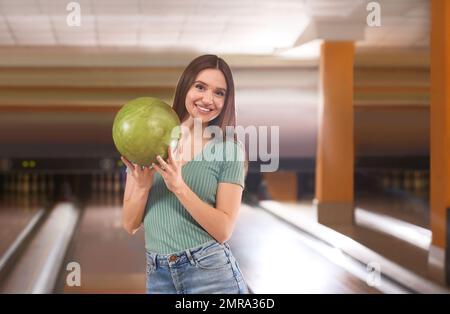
(142, 176)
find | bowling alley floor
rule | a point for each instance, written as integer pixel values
(15, 215)
(111, 260)
(279, 246)
(12, 222)
(393, 227)
(274, 257)
(277, 258)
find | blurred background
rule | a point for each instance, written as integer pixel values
(357, 89)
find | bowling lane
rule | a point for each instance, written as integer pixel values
(408, 208)
(111, 260)
(13, 220)
(22, 200)
(399, 193)
(276, 258)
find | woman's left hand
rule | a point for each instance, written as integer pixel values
(170, 171)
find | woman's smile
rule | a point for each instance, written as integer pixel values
(203, 109)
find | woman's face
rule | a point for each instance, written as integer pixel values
(206, 97)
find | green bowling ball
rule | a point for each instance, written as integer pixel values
(144, 128)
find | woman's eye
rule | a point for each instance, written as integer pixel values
(199, 86)
(220, 93)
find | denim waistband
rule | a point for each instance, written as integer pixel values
(185, 255)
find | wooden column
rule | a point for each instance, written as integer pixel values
(335, 146)
(282, 185)
(440, 135)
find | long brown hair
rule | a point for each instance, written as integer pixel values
(227, 116)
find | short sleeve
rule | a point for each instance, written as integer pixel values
(232, 170)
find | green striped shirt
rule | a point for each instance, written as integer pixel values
(169, 227)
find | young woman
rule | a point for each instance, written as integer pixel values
(189, 203)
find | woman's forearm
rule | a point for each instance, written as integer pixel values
(206, 215)
(134, 208)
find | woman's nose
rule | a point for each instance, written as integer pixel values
(208, 98)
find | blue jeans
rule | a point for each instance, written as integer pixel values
(209, 268)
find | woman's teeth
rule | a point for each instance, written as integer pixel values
(202, 109)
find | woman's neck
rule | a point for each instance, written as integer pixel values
(196, 128)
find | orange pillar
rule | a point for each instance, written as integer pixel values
(282, 185)
(440, 134)
(335, 146)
